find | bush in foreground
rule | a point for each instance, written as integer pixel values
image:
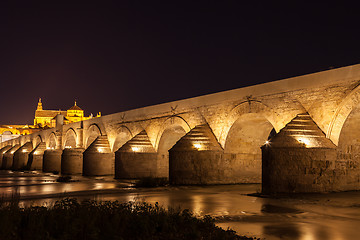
(70, 219)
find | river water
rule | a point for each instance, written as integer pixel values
(331, 216)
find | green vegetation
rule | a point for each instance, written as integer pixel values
(70, 219)
(149, 182)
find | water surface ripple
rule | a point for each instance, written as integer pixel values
(331, 216)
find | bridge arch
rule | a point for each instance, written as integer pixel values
(51, 141)
(91, 134)
(24, 139)
(171, 131)
(36, 141)
(256, 108)
(173, 123)
(9, 131)
(348, 150)
(248, 127)
(70, 138)
(15, 141)
(350, 102)
(123, 135)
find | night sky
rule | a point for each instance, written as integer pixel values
(121, 55)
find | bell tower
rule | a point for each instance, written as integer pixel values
(39, 106)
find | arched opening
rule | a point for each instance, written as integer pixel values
(349, 140)
(92, 133)
(36, 141)
(122, 137)
(242, 146)
(70, 139)
(52, 141)
(348, 157)
(7, 135)
(168, 139)
(345, 108)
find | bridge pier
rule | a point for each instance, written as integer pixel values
(197, 158)
(299, 159)
(21, 156)
(136, 159)
(72, 161)
(8, 157)
(52, 160)
(98, 158)
(2, 152)
(36, 157)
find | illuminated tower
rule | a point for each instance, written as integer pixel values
(75, 114)
(39, 106)
(43, 117)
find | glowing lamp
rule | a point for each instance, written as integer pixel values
(305, 141)
(24, 150)
(267, 142)
(100, 150)
(197, 146)
(135, 149)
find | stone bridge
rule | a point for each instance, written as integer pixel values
(300, 134)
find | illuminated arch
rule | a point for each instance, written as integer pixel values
(36, 141)
(350, 102)
(51, 141)
(5, 130)
(25, 132)
(70, 138)
(251, 106)
(171, 122)
(123, 135)
(24, 139)
(95, 127)
(92, 133)
(16, 141)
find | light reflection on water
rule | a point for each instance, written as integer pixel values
(309, 217)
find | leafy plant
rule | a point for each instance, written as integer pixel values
(70, 219)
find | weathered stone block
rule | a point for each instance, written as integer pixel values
(52, 160)
(197, 167)
(72, 161)
(98, 159)
(135, 164)
(98, 164)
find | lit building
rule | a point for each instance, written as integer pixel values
(8, 132)
(46, 118)
(43, 119)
